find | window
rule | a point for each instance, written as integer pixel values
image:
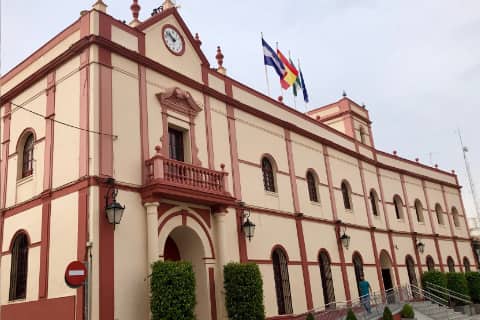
(327, 279)
(438, 211)
(398, 204)
(430, 263)
(466, 264)
(451, 264)
(19, 267)
(374, 202)
(175, 138)
(362, 135)
(346, 193)
(312, 187)
(282, 282)
(456, 219)
(268, 176)
(27, 156)
(419, 210)
(412, 277)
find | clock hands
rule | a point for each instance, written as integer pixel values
(169, 33)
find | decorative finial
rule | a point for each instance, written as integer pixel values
(135, 8)
(417, 159)
(197, 39)
(100, 6)
(280, 99)
(167, 4)
(363, 105)
(436, 166)
(453, 171)
(344, 94)
(219, 58)
(394, 152)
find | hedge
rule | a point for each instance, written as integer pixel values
(457, 282)
(473, 281)
(351, 315)
(172, 291)
(243, 291)
(435, 277)
(310, 317)
(407, 311)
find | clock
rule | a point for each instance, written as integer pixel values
(173, 40)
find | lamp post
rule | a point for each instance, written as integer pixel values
(345, 240)
(113, 209)
(248, 227)
(420, 246)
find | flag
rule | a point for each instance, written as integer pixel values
(291, 73)
(304, 88)
(270, 58)
(297, 84)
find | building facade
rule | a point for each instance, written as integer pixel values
(192, 152)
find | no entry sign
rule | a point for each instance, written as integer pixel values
(75, 274)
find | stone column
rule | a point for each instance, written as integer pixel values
(151, 209)
(220, 226)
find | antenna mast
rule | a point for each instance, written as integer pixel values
(470, 177)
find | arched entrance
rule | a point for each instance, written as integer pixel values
(386, 265)
(327, 279)
(183, 243)
(358, 267)
(412, 276)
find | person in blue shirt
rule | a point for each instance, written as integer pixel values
(365, 291)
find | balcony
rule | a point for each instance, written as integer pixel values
(172, 179)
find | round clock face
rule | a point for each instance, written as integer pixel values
(173, 40)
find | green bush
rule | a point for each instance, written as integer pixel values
(407, 311)
(351, 315)
(243, 291)
(473, 281)
(437, 278)
(172, 291)
(310, 317)
(387, 314)
(457, 282)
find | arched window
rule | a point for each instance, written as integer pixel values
(268, 175)
(27, 156)
(430, 263)
(451, 264)
(439, 212)
(358, 267)
(327, 279)
(374, 202)
(19, 267)
(282, 281)
(456, 218)
(312, 187)
(362, 135)
(398, 204)
(346, 193)
(419, 211)
(412, 277)
(466, 264)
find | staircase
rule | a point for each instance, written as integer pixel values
(439, 312)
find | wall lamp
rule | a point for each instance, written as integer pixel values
(248, 226)
(113, 209)
(420, 246)
(345, 238)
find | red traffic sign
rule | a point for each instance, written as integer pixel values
(75, 274)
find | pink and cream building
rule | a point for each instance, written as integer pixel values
(185, 144)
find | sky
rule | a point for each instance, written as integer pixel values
(415, 64)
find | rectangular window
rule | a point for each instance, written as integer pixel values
(176, 144)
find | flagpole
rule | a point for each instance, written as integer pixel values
(266, 73)
(281, 89)
(293, 94)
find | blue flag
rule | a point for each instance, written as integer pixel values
(270, 58)
(304, 88)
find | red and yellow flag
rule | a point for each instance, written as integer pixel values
(291, 73)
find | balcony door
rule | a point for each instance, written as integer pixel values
(175, 139)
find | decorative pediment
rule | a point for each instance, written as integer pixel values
(180, 101)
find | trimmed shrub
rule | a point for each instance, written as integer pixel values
(407, 311)
(473, 281)
(243, 291)
(310, 317)
(387, 314)
(437, 278)
(172, 291)
(457, 283)
(350, 315)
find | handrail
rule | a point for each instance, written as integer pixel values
(428, 296)
(457, 295)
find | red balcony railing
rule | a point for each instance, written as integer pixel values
(168, 171)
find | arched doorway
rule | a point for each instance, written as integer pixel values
(412, 276)
(386, 265)
(183, 243)
(358, 267)
(327, 280)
